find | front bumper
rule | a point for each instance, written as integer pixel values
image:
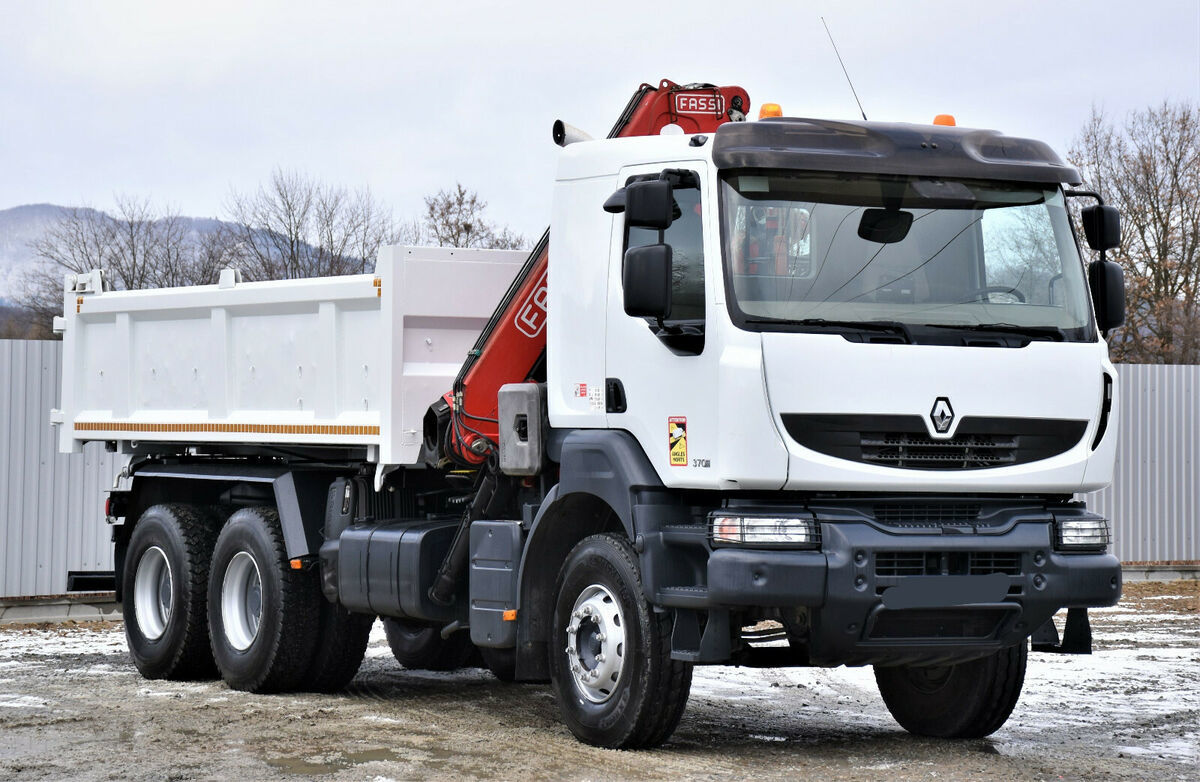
(965, 595)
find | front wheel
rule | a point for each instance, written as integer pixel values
(610, 658)
(964, 701)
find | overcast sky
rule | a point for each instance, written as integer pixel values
(182, 102)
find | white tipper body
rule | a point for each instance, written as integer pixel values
(731, 396)
(353, 360)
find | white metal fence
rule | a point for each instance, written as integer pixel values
(52, 521)
(1154, 501)
(51, 504)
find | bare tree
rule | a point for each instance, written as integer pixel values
(17, 322)
(1149, 168)
(294, 226)
(455, 218)
(137, 246)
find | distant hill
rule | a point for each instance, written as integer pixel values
(21, 226)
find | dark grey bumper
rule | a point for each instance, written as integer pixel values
(843, 586)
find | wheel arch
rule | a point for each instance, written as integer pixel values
(562, 522)
(602, 475)
(299, 496)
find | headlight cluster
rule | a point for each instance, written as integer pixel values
(726, 528)
(1088, 533)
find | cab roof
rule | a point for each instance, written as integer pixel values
(888, 148)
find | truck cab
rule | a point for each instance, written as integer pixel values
(938, 299)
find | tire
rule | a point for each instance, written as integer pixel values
(610, 653)
(165, 593)
(264, 644)
(421, 646)
(501, 662)
(341, 646)
(964, 701)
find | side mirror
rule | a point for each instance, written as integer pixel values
(1107, 282)
(646, 279)
(1102, 227)
(647, 204)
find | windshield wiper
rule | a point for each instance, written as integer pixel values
(1052, 333)
(883, 326)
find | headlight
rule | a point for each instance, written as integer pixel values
(1087, 533)
(766, 530)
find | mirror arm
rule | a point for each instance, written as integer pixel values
(1084, 194)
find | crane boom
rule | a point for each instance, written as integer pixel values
(512, 347)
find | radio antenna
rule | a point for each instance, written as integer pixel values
(839, 56)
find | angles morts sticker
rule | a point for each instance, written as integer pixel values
(677, 440)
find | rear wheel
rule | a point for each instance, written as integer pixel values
(610, 653)
(963, 701)
(165, 590)
(341, 646)
(263, 616)
(421, 646)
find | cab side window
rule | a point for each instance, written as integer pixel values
(686, 237)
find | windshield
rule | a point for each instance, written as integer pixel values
(808, 251)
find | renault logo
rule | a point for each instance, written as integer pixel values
(942, 415)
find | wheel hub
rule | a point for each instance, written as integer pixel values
(929, 679)
(153, 589)
(241, 601)
(596, 643)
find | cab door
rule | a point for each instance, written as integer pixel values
(662, 378)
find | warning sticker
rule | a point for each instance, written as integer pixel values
(677, 440)
(596, 397)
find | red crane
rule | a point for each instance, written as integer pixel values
(512, 346)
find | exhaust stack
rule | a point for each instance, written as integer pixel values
(564, 134)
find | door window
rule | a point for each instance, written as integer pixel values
(686, 238)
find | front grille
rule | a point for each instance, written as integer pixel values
(903, 441)
(901, 563)
(896, 514)
(936, 623)
(917, 449)
(982, 563)
(953, 563)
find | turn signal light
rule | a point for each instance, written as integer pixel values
(770, 110)
(944, 119)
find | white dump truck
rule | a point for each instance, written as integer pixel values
(787, 392)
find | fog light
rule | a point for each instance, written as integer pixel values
(766, 530)
(1088, 533)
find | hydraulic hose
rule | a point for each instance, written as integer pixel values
(451, 570)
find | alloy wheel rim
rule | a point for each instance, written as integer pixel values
(241, 601)
(596, 639)
(153, 592)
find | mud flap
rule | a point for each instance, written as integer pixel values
(1077, 635)
(690, 645)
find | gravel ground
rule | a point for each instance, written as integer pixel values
(72, 706)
